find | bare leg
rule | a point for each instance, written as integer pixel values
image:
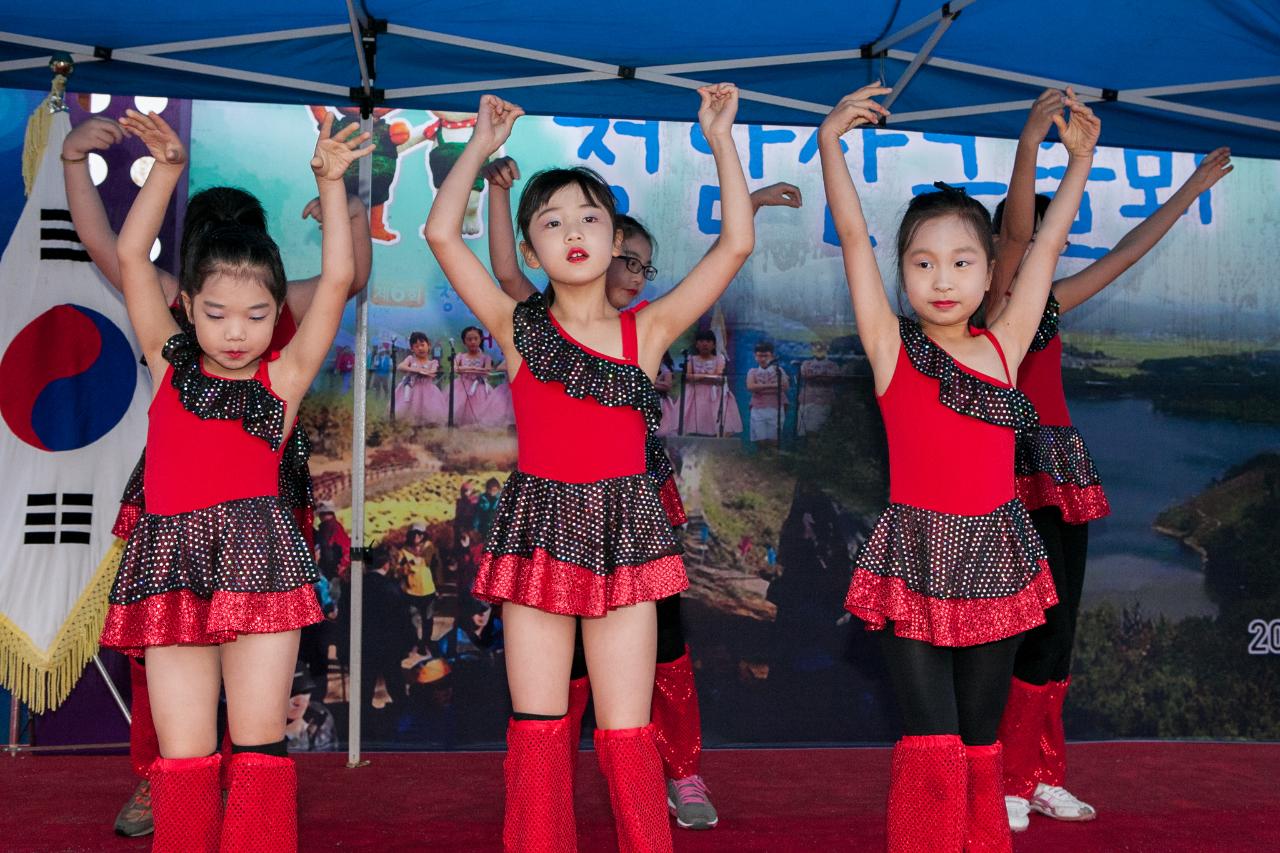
(621, 649)
(539, 652)
(258, 672)
(183, 683)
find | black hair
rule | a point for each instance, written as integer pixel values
(492, 481)
(379, 555)
(1042, 206)
(220, 206)
(475, 329)
(948, 201)
(632, 227)
(764, 346)
(543, 185)
(419, 336)
(225, 231)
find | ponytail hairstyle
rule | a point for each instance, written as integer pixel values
(225, 231)
(543, 185)
(947, 201)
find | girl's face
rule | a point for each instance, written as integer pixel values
(572, 239)
(472, 341)
(234, 317)
(819, 350)
(705, 348)
(763, 358)
(421, 349)
(621, 285)
(945, 271)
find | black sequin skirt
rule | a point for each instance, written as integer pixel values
(952, 580)
(203, 577)
(580, 548)
(1054, 468)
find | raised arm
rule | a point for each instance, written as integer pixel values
(303, 356)
(87, 213)
(140, 280)
(300, 292)
(1019, 222)
(1016, 325)
(468, 276)
(1073, 290)
(877, 323)
(668, 317)
(501, 175)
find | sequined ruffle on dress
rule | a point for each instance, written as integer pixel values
(1053, 464)
(207, 575)
(961, 391)
(580, 548)
(951, 579)
(553, 358)
(658, 467)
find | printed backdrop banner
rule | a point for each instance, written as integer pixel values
(73, 398)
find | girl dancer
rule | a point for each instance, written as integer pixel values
(953, 567)
(207, 209)
(420, 400)
(581, 530)
(1056, 478)
(216, 578)
(676, 716)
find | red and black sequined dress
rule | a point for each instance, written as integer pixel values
(954, 560)
(1053, 465)
(581, 528)
(295, 476)
(217, 552)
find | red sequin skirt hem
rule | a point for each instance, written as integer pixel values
(669, 496)
(1079, 504)
(181, 617)
(876, 599)
(555, 586)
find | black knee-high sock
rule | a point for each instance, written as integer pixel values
(670, 629)
(280, 748)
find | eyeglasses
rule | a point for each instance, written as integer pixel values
(639, 267)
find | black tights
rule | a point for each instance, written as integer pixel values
(947, 691)
(670, 637)
(1046, 651)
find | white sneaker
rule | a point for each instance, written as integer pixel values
(1060, 804)
(1019, 813)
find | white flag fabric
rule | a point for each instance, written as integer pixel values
(73, 398)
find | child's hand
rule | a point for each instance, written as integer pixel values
(95, 134)
(161, 140)
(718, 109)
(501, 173)
(855, 110)
(1212, 168)
(780, 194)
(334, 154)
(494, 120)
(1048, 106)
(1080, 135)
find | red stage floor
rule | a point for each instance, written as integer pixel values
(1151, 797)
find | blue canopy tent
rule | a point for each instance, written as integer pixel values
(1186, 75)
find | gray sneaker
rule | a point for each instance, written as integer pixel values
(690, 802)
(134, 820)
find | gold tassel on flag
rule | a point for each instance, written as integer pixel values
(41, 117)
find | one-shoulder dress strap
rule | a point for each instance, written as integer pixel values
(630, 342)
(1000, 352)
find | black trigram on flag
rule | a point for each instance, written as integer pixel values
(58, 238)
(53, 518)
